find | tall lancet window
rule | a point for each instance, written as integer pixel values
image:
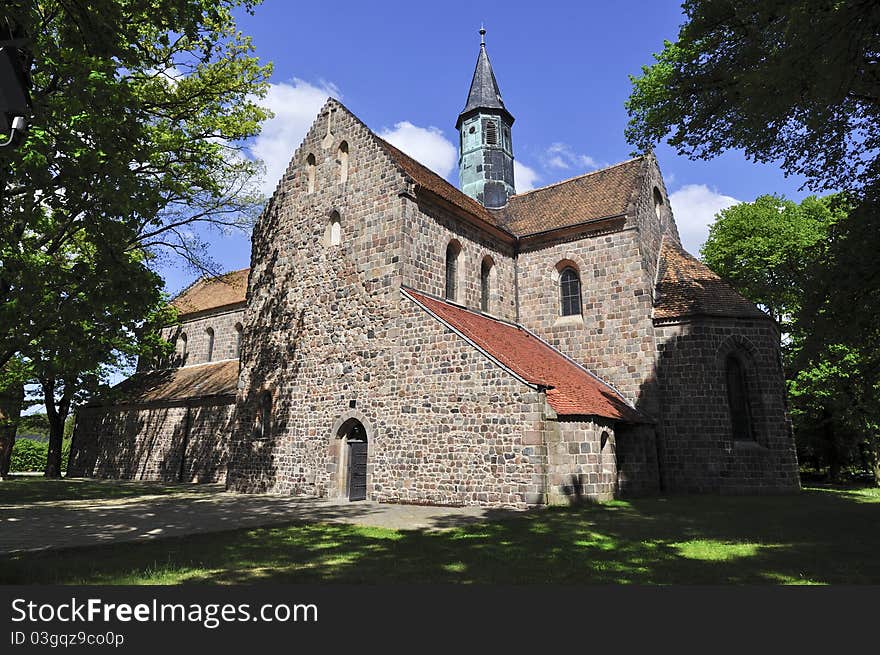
(182, 348)
(738, 400)
(239, 328)
(311, 171)
(486, 274)
(452, 252)
(342, 157)
(570, 292)
(210, 333)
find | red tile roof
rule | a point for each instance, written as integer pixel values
(573, 391)
(687, 287)
(599, 194)
(213, 293)
(204, 380)
(595, 195)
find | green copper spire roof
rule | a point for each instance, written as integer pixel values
(484, 92)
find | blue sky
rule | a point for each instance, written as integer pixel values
(404, 68)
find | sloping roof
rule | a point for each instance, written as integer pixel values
(572, 390)
(598, 194)
(484, 93)
(213, 293)
(204, 380)
(687, 287)
(428, 179)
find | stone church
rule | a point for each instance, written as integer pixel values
(402, 340)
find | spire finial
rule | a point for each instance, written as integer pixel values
(482, 36)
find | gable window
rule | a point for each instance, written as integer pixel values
(486, 269)
(658, 203)
(452, 252)
(342, 157)
(569, 292)
(737, 400)
(333, 233)
(210, 333)
(311, 166)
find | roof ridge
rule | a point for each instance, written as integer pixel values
(576, 177)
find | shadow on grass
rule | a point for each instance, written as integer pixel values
(25, 490)
(819, 536)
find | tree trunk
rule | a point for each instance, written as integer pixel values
(834, 464)
(11, 401)
(57, 415)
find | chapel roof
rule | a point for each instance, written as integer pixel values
(572, 390)
(604, 193)
(213, 293)
(200, 381)
(596, 195)
(687, 287)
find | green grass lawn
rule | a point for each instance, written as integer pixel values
(820, 536)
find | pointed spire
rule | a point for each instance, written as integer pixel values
(484, 92)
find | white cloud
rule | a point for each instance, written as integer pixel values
(427, 145)
(695, 206)
(295, 107)
(560, 156)
(524, 178)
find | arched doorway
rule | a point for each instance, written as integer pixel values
(355, 439)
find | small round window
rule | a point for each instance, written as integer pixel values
(472, 130)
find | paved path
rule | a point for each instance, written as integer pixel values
(206, 508)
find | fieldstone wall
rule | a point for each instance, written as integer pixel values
(581, 459)
(464, 430)
(320, 327)
(697, 450)
(195, 327)
(614, 337)
(643, 217)
(427, 232)
(147, 442)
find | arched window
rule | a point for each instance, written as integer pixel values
(333, 233)
(452, 252)
(311, 166)
(569, 292)
(342, 157)
(263, 419)
(738, 400)
(182, 340)
(210, 333)
(486, 270)
(238, 330)
(658, 203)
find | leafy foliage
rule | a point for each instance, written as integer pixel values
(139, 111)
(796, 81)
(29, 455)
(768, 250)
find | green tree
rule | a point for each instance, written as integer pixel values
(790, 81)
(140, 109)
(760, 248)
(766, 249)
